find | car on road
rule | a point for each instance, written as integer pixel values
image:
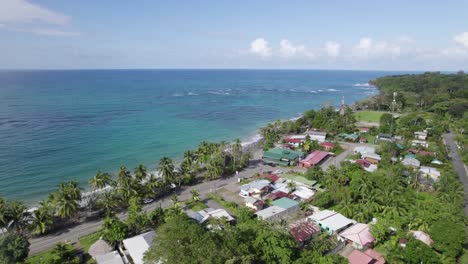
(277, 172)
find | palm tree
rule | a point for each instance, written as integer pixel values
(100, 180)
(140, 172)
(151, 185)
(67, 199)
(291, 186)
(3, 213)
(16, 216)
(42, 219)
(195, 195)
(109, 203)
(166, 168)
(126, 186)
(175, 201)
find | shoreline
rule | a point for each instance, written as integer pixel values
(249, 144)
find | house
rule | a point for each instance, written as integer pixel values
(303, 231)
(271, 213)
(371, 158)
(112, 257)
(422, 236)
(420, 135)
(417, 142)
(287, 204)
(304, 193)
(411, 162)
(385, 137)
(299, 180)
(255, 188)
(135, 247)
(272, 177)
(349, 137)
(277, 195)
(317, 135)
(369, 256)
(253, 203)
(331, 221)
(371, 168)
(359, 235)
(364, 130)
(314, 158)
(363, 150)
(204, 215)
(362, 140)
(328, 146)
(296, 142)
(431, 172)
(422, 152)
(281, 156)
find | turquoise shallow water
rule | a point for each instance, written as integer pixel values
(62, 125)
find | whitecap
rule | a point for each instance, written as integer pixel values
(192, 94)
(313, 91)
(361, 85)
(177, 95)
(320, 90)
(332, 90)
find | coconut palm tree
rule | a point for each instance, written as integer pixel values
(42, 219)
(109, 203)
(17, 216)
(195, 195)
(166, 168)
(100, 180)
(126, 185)
(175, 201)
(67, 199)
(152, 185)
(3, 213)
(140, 172)
(291, 186)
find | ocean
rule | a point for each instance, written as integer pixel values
(63, 125)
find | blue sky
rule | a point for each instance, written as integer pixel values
(373, 35)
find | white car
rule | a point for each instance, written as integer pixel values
(277, 172)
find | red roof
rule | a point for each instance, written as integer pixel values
(272, 177)
(422, 152)
(293, 140)
(327, 144)
(315, 157)
(364, 129)
(304, 230)
(363, 163)
(363, 139)
(357, 257)
(277, 195)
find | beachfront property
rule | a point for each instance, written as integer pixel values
(314, 158)
(372, 158)
(135, 247)
(422, 236)
(303, 231)
(281, 156)
(328, 146)
(294, 141)
(421, 135)
(417, 142)
(331, 221)
(358, 235)
(411, 162)
(317, 135)
(369, 256)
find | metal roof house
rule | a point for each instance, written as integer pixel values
(137, 246)
(331, 221)
(359, 235)
(314, 158)
(282, 156)
(271, 213)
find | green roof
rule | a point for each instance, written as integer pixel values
(410, 156)
(399, 146)
(279, 154)
(285, 203)
(299, 179)
(276, 161)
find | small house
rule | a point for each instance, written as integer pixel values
(303, 231)
(135, 247)
(369, 256)
(364, 149)
(411, 162)
(253, 203)
(417, 142)
(277, 195)
(431, 172)
(422, 236)
(372, 158)
(296, 142)
(328, 146)
(385, 137)
(331, 221)
(364, 130)
(304, 193)
(362, 140)
(271, 213)
(359, 235)
(317, 135)
(255, 188)
(287, 204)
(420, 135)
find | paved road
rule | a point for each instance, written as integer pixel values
(72, 234)
(458, 164)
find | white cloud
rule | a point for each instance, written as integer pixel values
(368, 48)
(462, 39)
(288, 49)
(261, 48)
(332, 48)
(23, 16)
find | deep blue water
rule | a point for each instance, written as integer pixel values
(62, 125)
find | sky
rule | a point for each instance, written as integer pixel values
(352, 35)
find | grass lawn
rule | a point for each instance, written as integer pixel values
(87, 241)
(368, 116)
(196, 206)
(38, 258)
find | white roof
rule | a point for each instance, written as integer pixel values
(297, 137)
(371, 155)
(364, 149)
(411, 162)
(333, 220)
(216, 213)
(250, 200)
(260, 184)
(303, 192)
(430, 170)
(269, 212)
(420, 133)
(138, 245)
(109, 258)
(371, 168)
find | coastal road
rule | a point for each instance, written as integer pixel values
(72, 234)
(458, 164)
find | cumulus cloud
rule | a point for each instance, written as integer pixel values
(462, 39)
(368, 48)
(261, 48)
(332, 48)
(288, 49)
(23, 16)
